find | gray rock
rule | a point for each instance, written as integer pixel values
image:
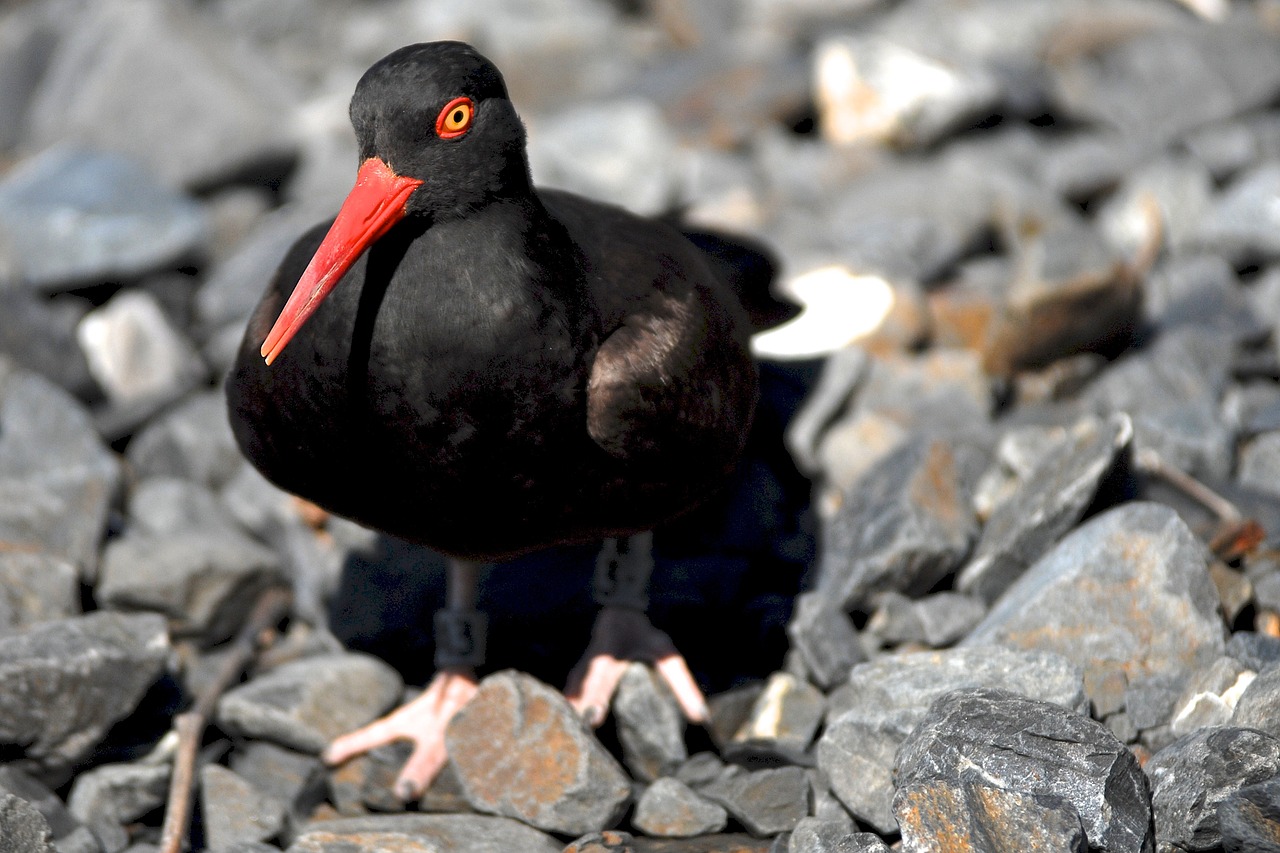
(1210, 696)
(1136, 569)
(422, 833)
(814, 835)
(235, 811)
(135, 353)
(785, 716)
(36, 587)
(1258, 706)
(968, 815)
(1031, 747)
(936, 620)
(56, 477)
(650, 726)
(521, 751)
(156, 70)
(671, 809)
(69, 681)
(765, 802)
(1242, 222)
(1048, 502)
(1180, 188)
(842, 372)
(885, 699)
(1202, 290)
(74, 215)
(163, 506)
(40, 335)
(1259, 465)
(296, 780)
(825, 638)
(22, 828)
(1191, 776)
(192, 441)
(110, 796)
(904, 525)
(1249, 820)
(69, 835)
(205, 582)
(306, 703)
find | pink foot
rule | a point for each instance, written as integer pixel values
(421, 721)
(619, 637)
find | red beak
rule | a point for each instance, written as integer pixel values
(376, 202)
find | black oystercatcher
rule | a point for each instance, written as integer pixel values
(468, 362)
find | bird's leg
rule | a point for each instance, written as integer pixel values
(623, 633)
(460, 632)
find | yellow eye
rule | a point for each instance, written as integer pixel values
(455, 119)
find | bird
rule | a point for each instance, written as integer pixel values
(487, 368)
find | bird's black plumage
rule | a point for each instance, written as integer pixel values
(505, 368)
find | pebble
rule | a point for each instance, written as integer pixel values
(671, 809)
(765, 802)
(520, 751)
(784, 717)
(70, 680)
(825, 639)
(235, 811)
(191, 441)
(109, 797)
(1030, 747)
(422, 833)
(813, 835)
(306, 703)
(36, 587)
(650, 725)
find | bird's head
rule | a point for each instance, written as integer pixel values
(438, 139)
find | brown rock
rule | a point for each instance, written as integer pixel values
(521, 751)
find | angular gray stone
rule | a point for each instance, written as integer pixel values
(296, 780)
(946, 814)
(131, 71)
(40, 335)
(521, 751)
(135, 353)
(1202, 290)
(56, 477)
(75, 215)
(67, 682)
(1210, 696)
(1242, 223)
(671, 809)
(937, 620)
(1249, 820)
(22, 828)
(1259, 705)
(36, 587)
(1192, 775)
(1259, 464)
(814, 835)
(423, 833)
(650, 726)
(69, 835)
(905, 524)
(784, 716)
(1048, 502)
(1127, 596)
(825, 639)
(1181, 188)
(765, 802)
(235, 811)
(1026, 746)
(868, 719)
(109, 796)
(205, 582)
(192, 441)
(162, 506)
(306, 703)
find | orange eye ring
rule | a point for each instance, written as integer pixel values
(455, 119)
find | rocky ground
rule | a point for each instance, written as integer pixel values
(1000, 570)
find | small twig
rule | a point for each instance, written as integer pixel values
(272, 606)
(1150, 462)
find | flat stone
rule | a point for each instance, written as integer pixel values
(884, 700)
(74, 215)
(36, 587)
(23, 829)
(422, 833)
(785, 716)
(110, 796)
(765, 802)
(825, 638)
(958, 815)
(814, 835)
(135, 353)
(1249, 821)
(204, 582)
(235, 811)
(1136, 569)
(904, 525)
(1048, 502)
(306, 703)
(221, 108)
(69, 681)
(650, 725)
(671, 809)
(191, 441)
(521, 751)
(1026, 746)
(1191, 776)
(56, 477)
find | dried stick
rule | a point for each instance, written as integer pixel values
(271, 607)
